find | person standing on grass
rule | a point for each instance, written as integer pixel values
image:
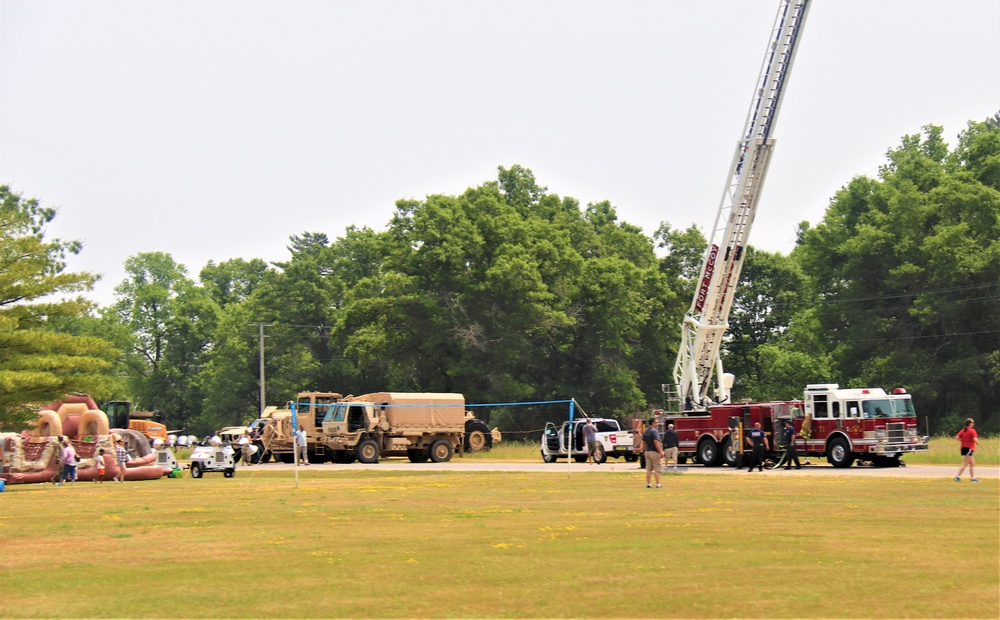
(590, 436)
(671, 446)
(69, 460)
(121, 454)
(301, 445)
(653, 452)
(758, 438)
(970, 440)
(99, 461)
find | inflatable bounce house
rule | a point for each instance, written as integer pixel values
(33, 455)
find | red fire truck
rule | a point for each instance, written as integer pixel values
(843, 425)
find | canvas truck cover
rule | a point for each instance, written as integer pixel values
(420, 410)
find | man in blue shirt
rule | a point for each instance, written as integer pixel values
(758, 438)
(653, 454)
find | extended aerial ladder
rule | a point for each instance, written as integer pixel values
(705, 325)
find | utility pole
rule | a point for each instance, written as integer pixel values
(260, 335)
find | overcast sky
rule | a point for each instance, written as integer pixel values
(216, 129)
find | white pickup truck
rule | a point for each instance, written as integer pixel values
(612, 441)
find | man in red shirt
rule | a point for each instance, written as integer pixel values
(970, 439)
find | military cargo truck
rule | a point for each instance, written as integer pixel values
(419, 426)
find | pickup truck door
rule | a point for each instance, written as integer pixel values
(551, 438)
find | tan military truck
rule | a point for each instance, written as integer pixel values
(420, 426)
(277, 436)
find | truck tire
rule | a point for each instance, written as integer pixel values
(887, 461)
(367, 451)
(265, 458)
(477, 436)
(441, 451)
(580, 458)
(840, 454)
(709, 453)
(549, 458)
(417, 456)
(729, 455)
(195, 470)
(600, 456)
(287, 459)
(344, 457)
(258, 456)
(229, 473)
(631, 457)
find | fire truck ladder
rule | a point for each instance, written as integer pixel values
(705, 324)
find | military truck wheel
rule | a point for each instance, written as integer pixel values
(477, 436)
(229, 473)
(549, 458)
(285, 458)
(266, 457)
(345, 457)
(441, 451)
(417, 456)
(195, 470)
(367, 451)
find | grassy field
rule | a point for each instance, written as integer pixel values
(944, 451)
(466, 545)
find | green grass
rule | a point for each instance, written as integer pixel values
(509, 451)
(400, 544)
(945, 451)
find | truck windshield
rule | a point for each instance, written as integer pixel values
(337, 413)
(888, 408)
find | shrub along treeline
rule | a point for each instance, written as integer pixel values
(510, 293)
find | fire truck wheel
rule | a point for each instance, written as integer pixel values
(840, 453)
(708, 452)
(548, 458)
(728, 453)
(229, 473)
(441, 451)
(195, 470)
(367, 451)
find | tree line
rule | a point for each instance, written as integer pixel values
(508, 292)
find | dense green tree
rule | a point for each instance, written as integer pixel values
(510, 293)
(41, 358)
(906, 270)
(772, 290)
(169, 325)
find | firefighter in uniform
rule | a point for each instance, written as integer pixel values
(758, 438)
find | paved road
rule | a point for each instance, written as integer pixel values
(457, 464)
